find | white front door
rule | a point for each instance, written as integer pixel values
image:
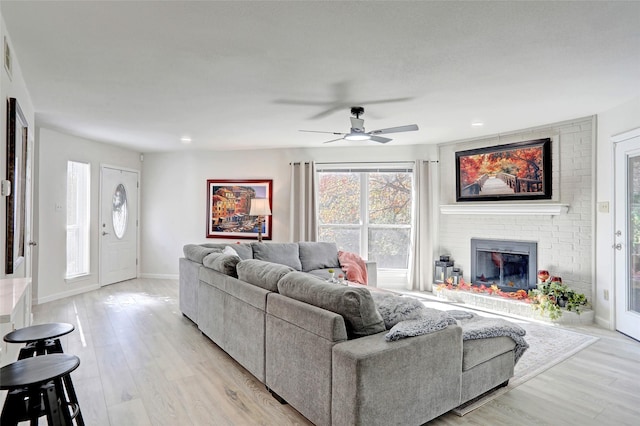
(118, 225)
(627, 233)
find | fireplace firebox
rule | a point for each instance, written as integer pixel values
(511, 265)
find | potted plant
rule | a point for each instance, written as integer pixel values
(552, 297)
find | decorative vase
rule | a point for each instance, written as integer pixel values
(332, 277)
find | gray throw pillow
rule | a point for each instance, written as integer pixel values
(197, 253)
(355, 304)
(262, 274)
(223, 263)
(318, 255)
(282, 253)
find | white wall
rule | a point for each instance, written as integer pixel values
(565, 242)
(11, 87)
(55, 149)
(612, 122)
(174, 191)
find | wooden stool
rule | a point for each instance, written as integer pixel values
(40, 339)
(36, 389)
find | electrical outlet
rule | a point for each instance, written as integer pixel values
(603, 207)
(606, 294)
(58, 207)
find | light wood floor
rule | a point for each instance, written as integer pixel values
(143, 363)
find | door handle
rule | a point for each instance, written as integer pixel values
(32, 243)
(105, 233)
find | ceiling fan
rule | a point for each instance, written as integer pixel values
(358, 133)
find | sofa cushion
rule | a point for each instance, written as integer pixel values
(355, 304)
(223, 263)
(282, 253)
(477, 351)
(318, 255)
(197, 253)
(262, 274)
(244, 250)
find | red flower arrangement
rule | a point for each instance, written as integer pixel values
(491, 290)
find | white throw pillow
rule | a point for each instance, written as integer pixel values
(230, 251)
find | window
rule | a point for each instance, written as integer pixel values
(367, 210)
(78, 179)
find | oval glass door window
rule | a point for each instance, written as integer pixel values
(119, 211)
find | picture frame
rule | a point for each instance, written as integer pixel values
(510, 172)
(228, 208)
(17, 132)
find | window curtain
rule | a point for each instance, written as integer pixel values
(303, 203)
(425, 226)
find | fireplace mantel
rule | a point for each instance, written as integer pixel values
(540, 209)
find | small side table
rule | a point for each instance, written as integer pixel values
(40, 339)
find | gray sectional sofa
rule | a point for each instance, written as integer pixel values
(321, 347)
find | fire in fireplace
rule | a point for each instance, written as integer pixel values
(511, 265)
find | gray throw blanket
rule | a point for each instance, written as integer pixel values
(408, 317)
(477, 327)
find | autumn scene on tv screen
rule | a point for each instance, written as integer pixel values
(509, 171)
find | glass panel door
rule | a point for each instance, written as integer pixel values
(626, 244)
(633, 237)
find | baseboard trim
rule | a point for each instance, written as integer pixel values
(604, 323)
(160, 276)
(68, 293)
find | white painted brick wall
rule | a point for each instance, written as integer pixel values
(564, 241)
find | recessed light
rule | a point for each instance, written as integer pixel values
(477, 124)
(185, 140)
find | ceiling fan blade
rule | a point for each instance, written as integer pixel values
(320, 131)
(380, 139)
(408, 128)
(333, 140)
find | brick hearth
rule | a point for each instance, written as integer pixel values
(512, 307)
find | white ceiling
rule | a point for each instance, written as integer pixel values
(244, 75)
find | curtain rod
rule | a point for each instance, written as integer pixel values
(364, 162)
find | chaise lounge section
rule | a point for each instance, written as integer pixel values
(321, 347)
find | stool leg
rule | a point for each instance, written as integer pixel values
(55, 347)
(9, 414)
(52, 405)
(73, 399)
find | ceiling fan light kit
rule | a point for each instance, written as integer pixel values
(357, 132)
(356, 136)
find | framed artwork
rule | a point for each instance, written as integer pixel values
(16, 174)
(517, 171)
(229, 207)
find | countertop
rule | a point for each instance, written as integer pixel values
(11, 290)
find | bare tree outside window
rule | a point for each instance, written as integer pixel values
(368, 212)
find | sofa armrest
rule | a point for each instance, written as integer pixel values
(409, 381)
(372, 273)
(188, 280)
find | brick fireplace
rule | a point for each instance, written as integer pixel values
(565, 239)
